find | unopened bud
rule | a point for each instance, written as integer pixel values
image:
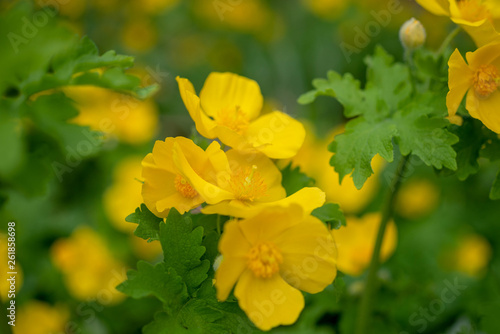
(412, 34)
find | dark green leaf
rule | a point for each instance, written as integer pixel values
(149, 224)
(330, 213)
(293, 179)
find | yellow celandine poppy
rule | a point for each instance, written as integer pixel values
(37, 317)
(417, 198)
(228, 108)
(479, 18)
(270, 257)
(355, 242)
(242, 183)
(479, 79)
(168, 186)
(89, 268)
(470, 256)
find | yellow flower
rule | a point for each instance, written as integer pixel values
(115, 114)
(270, 257)
(242, 183)
(90, 270)
(328, 9)
(479, 18)
(417, 198)
(37, 317)
(169, 185)
(314, 160)
(124, 195)
(471, 255)
(228, 108)
(4, 269)
(355, 242)
(479, 79)
(139, 34)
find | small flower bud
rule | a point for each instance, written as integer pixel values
(412, 34)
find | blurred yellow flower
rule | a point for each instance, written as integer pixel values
(37, 317)
(4, 269)
(314, 160)
(417, 198)
(89, 268)
(247, 16)
(152, 7)
(470, 256)
(115, 114)
(229, 107)
(479, 18)
(124, 195)
(168, 184)
(328, 9)
(479, 79)
(270, 257)
(355, 242)
(139, 34)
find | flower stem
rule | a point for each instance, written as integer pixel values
(365, 308)
(448, 40)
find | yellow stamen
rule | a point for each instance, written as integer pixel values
(247, 184)
(184, 187)
(486, 80)
(264, 259)
(235, 119)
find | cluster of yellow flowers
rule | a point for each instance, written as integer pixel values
(277, 248)
(479, 78)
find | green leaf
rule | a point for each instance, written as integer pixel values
(166, 324)
(149, 224)
(330, 213)
(495, 189)
(165, 284)
(354, 149)
(388, 86)
(468, 147)
(293, 179)
(182, 248)
(426, 138)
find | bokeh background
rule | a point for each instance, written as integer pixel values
(74, 246)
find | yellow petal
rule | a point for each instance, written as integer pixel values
(277, 135)
(309, 255)
(308, 198)
(484, 55)
(204, 124)
(266, 169)
(158, 184)
(176, 200)
(482, 32)
(436, 7)
(208, 191)
(485, 109)
(460, 80)
(234, 247)
(225, 91)
(268, 302)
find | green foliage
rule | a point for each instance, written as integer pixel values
(34, 67)
(293, 179)
(181, 282)
(387, 112)
(330, 213)
(149, 224)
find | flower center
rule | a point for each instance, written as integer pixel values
(472, 10)
(247, 184)
(184, 188)
(264, 259)
(235, 119)
(486, 80)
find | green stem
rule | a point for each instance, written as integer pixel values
(365, 308)
(448, 40)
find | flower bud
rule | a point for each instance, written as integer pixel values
(412, 34)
